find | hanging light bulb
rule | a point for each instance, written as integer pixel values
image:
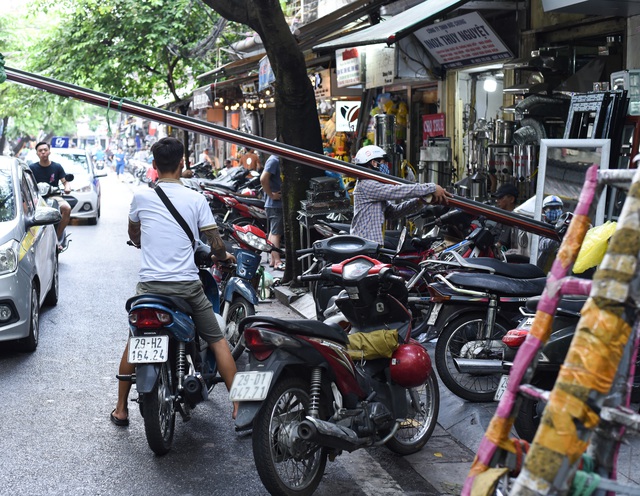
(490, 84)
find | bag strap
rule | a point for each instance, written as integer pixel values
(176, 215)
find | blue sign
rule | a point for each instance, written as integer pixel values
(60, 142)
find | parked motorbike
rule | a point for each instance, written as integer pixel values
(239, 282)
(49, 193)
(174, 369)
(550, 359)
(470, 313)
(307, 399)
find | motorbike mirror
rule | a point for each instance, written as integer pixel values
(69, 177)
(401, 240)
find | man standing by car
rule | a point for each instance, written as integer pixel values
(46, 171)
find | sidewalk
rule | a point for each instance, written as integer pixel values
(446, 459)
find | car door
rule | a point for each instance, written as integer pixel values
(41, 238)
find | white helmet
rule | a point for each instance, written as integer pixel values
(367, 153)
(552, 201)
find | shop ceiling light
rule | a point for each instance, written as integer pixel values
(490, 84)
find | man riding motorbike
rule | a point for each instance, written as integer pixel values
(167, 262)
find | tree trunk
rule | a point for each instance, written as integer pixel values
(297, 120)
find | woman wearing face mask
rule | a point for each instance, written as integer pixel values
(373, 201)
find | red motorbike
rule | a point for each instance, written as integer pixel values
(311, 392)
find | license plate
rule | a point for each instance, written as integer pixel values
(502, 387)
(148, 349)
(433, 316)
(250, 386)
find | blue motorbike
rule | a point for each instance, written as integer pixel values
(174, 368)
(240, 284)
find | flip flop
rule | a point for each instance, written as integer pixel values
(280, 266)
(117, 421)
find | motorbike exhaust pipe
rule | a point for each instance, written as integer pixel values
(195, 389)
(476, 366)
(330, 435)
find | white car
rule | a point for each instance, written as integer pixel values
(85, 188)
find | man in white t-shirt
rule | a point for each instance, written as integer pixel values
(167, 265)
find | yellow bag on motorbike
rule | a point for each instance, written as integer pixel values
(372, 345)
(594, 247)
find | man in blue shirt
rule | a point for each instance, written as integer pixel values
(272, 186)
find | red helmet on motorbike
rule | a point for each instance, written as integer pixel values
(410, 365)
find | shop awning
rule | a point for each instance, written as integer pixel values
(617, 8)
(395, 28)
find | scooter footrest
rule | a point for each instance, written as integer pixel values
(126, 378)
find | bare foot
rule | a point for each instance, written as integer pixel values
(235, 410)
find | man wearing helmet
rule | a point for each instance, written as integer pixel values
(552, 207)
(374, 201)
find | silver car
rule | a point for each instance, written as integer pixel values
(85, 196)
(28, 256)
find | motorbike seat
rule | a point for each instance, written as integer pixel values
(249, 200)
(312, 328)
(570, 304)
(513, 270)
(154, 299)
(498, 285)
(339, 227)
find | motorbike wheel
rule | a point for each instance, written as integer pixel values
(238, 310)
(530, 411)
(460, 339)
(160, 412)
(416, 430)
(286, 464)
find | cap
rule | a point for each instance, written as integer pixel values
(506, 189)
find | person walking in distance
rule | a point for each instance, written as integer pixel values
(121, 161)
(46, 171)
(250, 161)
(373, 201)
(272, 187)
(167, 265)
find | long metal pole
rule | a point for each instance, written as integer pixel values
(283, 150)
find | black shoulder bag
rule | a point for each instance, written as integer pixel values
(198, 255)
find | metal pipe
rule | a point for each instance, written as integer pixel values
(478, 366)
(283, 150)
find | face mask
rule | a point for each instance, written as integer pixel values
(551, 215)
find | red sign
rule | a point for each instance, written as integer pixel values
(432, 127)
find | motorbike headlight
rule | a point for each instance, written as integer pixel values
(9, 257)
(356, 269)
(253, 241)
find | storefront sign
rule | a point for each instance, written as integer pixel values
(464, 40)
(347, 116)
(432, 127)
(201, 99)
(265, 74)
(380, 65)
(348, 67)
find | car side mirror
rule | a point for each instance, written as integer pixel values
(44, 216)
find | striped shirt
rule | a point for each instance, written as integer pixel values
(372, 205)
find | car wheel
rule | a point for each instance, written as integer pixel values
(52, 296)
(30, 343)
(92, 221)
